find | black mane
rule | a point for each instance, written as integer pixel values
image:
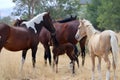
(71, 18)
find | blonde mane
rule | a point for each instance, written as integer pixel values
(37, 19)
(90, 26)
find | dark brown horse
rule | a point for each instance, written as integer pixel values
(21, 38)
(65, 33)
(61, 49)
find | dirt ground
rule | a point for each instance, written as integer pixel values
(10, 67)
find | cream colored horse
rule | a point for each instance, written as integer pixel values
(100, 44)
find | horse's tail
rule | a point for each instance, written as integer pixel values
(114, 46)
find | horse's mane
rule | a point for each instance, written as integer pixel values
(37, 19)
(89, 24)
(71, 18)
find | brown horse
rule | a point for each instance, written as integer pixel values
(100, 44)
(65, 33)
(21, 38)
(61, 49)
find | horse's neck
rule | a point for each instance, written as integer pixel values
(92, 32)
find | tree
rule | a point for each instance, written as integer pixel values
(25, 8)
(109, 14)
(57, 8)
(6, 20)
(92, 11)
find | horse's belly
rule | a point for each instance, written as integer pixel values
(15, 46)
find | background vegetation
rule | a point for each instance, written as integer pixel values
(104, 14)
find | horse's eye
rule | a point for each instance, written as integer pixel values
(78, 27)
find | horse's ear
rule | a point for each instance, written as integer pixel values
(71, 16)
(82, 18)
(81, 21)
(75, 16)
(48, 12)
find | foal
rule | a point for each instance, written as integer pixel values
(61, 49)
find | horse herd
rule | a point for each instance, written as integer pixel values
(63, 35)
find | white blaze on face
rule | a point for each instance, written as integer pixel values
(37, 19)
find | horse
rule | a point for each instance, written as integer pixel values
(61, 49)
(27, 37)
(100, 44)
(65, 33)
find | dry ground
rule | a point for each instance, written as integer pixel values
(10, 68)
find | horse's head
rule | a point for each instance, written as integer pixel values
(85, 29)
(82, 29)
(47, 23)
(39, 21)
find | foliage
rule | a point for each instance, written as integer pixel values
(92, 12)
(6, 20)
(25, 8)
(109, 15)
(57, 8)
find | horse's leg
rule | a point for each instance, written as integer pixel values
(47, 54)
(83, 56)
(77, 53)
(93, 66)
(24, 52)
(73, 71)
(34, 50)
(108, 67)
(114, 68)
(99, 68)
(72, 58)
(82, 52)
(82, 46)
(54, 58)
(57, 64)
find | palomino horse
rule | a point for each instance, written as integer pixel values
(21, 38)
(61, 49)
(65, 33)
(100, 44)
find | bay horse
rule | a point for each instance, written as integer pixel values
(27, 37)
(100, 44)
(65, 33)
(61, 49)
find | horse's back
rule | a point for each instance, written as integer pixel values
(21, 37)
(4, 28)
(66, 31)
(100, 43)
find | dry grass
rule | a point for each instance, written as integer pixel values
(10, 64)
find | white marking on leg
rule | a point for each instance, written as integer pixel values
(108, 75)
(22, 63)
(92, 75)
(99, 68)
(114, 75)
(99, 71)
